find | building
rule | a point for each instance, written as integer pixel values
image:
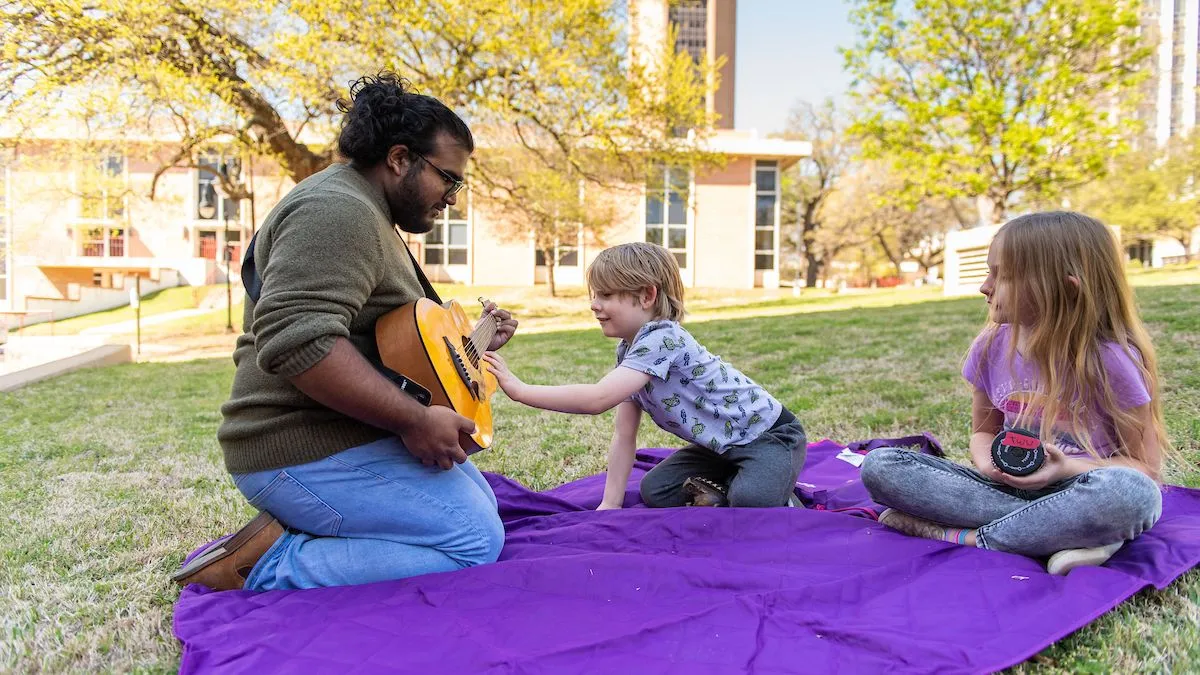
(1169, 101)
(705, 29)
(76, 232)
(1169, 107)
(723, 226)
(77, 229)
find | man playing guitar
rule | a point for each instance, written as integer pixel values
(356, 481)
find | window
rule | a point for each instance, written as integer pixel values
(101, 242)
(103, 187)
(667, 194)
(766, 213)
(690, 18)
(233, 247)
(116, 241)
(567, 256)
(209, 204)
(448, 242)
(208, 245)
(1141, 251)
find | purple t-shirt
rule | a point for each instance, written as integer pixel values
(1012, 390)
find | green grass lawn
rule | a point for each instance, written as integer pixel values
(161, 302)
(539, 312)
(110, 476)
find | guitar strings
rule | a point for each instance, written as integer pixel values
(478, 334)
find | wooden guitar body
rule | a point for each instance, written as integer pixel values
(437, 347)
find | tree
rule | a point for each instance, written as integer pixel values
(873, 206)
(996, 100)
(808, 187)
(911, 226)
(261, 76)
(918, 233)
(556, 185)
(554, 209)
(1152, 193)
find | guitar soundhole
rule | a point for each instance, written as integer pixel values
(470, 351)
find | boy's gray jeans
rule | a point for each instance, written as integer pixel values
(761, 473)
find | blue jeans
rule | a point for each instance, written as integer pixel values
(1099, 507)
(371, 513)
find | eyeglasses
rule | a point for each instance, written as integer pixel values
(456, 185)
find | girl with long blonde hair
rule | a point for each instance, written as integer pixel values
(1063, 358)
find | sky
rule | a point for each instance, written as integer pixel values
(786, 52)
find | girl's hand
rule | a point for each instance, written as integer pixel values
(982, 459)
(1057, 467)
(989, 470)
(605, 506)
(508, 382)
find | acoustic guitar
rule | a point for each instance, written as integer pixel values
(435, 348)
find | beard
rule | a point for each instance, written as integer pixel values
(409, 211)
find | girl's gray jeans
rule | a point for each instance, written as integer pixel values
(1099, 507)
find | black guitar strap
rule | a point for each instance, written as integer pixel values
(253, 284)
(426, 287)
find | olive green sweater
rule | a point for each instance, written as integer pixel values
(331, 264)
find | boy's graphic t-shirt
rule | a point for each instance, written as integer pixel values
(693, 393)
(1015, 389)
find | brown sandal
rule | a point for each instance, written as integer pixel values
(701, 491)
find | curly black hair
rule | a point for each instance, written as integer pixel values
(383, 111)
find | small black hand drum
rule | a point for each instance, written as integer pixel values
(1017, 452)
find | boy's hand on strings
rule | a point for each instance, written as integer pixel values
(1057, 467)
(506, 325)
(504, 377)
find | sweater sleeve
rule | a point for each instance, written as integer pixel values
(323, 262)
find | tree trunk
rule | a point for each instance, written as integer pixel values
(812, 264)
(999, 209)
(936, 257)
(887, 251)
(800, 249)
(1186, 242)
(812, 268)
(550, 266)
(993, 209)
(296, 158)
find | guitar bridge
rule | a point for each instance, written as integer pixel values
(461, 367)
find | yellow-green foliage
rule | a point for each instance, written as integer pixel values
(1003, 99)
(553, 88)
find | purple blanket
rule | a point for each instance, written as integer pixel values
(823, 589)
